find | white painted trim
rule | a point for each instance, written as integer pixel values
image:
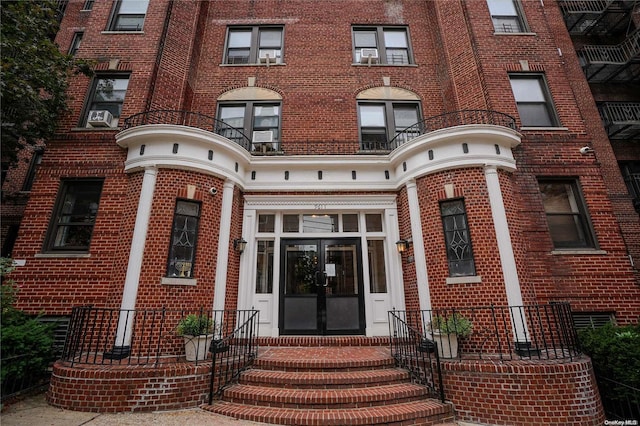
(222, 259)
(422, 280)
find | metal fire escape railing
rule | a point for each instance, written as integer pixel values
(597, 17)
(604, 63)
(621, 119)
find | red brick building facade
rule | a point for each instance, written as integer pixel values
(332, 133)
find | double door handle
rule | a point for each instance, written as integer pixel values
(321, 279)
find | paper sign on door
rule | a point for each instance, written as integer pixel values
(330, 269)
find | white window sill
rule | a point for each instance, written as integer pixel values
(256, 64)
(178, 281)
(571, 252)
(504, 33)
(544, 129)
(355, 64)
(95, 129)
(464, 280)
(62, 255)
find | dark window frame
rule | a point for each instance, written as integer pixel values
(91, 95)
(549, 106)
(454, 264)
(116, 17)
(584, 226)
(519, 19)
(390, 130)
(88, 4)
(75, 42)
(36, 159)
(631, 174)
(254, 48)
(56, 221)
(379, 31)
(249, 118)
(172, 245)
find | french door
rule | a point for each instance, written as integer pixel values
(321, 290)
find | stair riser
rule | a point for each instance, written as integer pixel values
(323, 406)
(327, 381)
(280, 385)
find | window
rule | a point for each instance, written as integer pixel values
(88, 5)
(566, 214)
(184, 236)
(74, 216)
(377, 272)
(631, 174)
(457, 238)
(385, 45)
(258, 121)
(506, 16)
(381, 122)
(254, 45)
(128, 15)
(107, 97)
(36, 159)
(533, 100)
(75, 43)
(264, 268)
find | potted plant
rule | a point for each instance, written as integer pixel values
(197, 331)
(446, 330)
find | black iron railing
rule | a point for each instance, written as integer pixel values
(234, 353)
(141, 337)
(319, 147)
(452, 119)
(620, 401)
(192, 119)
(415, 352)
(499, 332)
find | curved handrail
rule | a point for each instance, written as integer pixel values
(189, 119)
(451, 119)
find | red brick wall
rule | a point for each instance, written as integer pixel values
(523, 392)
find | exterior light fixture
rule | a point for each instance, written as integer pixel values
(403, 245)
(239, 245)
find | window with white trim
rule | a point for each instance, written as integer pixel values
(384, 121)
(254, 45)
(259, 122)
(506, 16)
(381, 45)
(128, 15)
(184, 236)
(567, 218)
(533, 100)
(457, 238)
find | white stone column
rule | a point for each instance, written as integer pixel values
(136, 254)
(223, 246)
(422, 280)
(505, 249)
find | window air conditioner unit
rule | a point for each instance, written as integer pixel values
(268, 56)
(99, 118)
(368, 54)
(261, 136)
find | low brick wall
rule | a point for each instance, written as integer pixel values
(126, 388)
(549, 392)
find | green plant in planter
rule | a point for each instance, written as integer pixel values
(453, 324)
(195, 325)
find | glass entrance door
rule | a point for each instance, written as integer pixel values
(321, 290)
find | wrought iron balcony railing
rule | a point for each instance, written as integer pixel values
(621, 119)
(320, 147)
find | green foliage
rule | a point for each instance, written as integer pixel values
(25, 342)
(614, 352)
(195, 325)
(33, 76)
(452, 324)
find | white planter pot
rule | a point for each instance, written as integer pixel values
(196, 348)
(447, 344)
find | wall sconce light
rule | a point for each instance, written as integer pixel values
(239, 245)
(403, 245)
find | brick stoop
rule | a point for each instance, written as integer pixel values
(336, 385)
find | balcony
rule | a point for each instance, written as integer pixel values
(621, 119)
(612, 63)
(596, 17)
(317, 147)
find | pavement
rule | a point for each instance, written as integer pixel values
(33, 410)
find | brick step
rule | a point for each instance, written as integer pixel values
(324, 398)
(327, 359)
(426, 412)
(324, 380)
